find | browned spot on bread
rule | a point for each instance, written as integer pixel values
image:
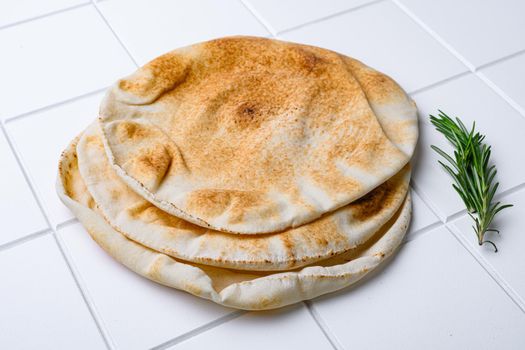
(148, 213)
(127, 131)
(215, 202)
(155, 160)
(248, 114)
(155, 269)
(369, 205)
(266, 302)
(193, 289)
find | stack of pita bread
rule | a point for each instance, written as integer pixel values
(252, 172)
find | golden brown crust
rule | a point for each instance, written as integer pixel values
(143, 222)
(224, 132)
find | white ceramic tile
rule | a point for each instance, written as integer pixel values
(41, 305)
(383, 37)
(19, 213)
(422, 216)
(137, 312)
(508, 75)
(481, 31)
(509, 261)
(281, 15)
(41, 138)
(471, 100)
(57, 57)
(432, 295)
(16, 11)
(151, 28)
(288, 328)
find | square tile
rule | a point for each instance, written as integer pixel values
(481, 31)
(289, 328)
(15, 11)
(56, 58)
(385, 38)
(509, 260)
(151, 28)
(137, 312)
(40, 151)
(422, 216)
(508, 75)
(41, 305)
(281, 15)
(19, 212)
(470, 99)
(427, 297)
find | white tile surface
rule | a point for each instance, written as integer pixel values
(481, 31)
(41, 305)
(40, 151)
(55, 58)
(508, 75)
(137, 312)
(289, 328)
(150, 28)
(509, 261)
(19, 212)
(383, 37)
(16, 11)
(429, 297)
(422, 216)
(281, 15)
(470, 99)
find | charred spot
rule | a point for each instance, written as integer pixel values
(248, 114)
(372, 203)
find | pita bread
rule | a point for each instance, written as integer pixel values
(393, 108)
(243, 290)
(251, 135)
(142, 222)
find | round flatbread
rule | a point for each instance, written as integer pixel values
(243, 290)
(250, 135)
(141, 221)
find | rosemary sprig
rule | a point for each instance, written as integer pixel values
(472, 174)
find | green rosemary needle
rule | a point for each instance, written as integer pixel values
(471, 171)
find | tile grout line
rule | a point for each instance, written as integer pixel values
(67, 223)
(333, 15)
(24, 239)
(501, 59)
(437, 213)
(489, 269)
(99, 323)
(475, 70)
(94, 3)
(60, 245)
(259, 18)
(516, 106)
(53, 105)
(422, 231)
(434, 35)
(201, 329)
(48, 14)
(332, 339)
(499, 280)
(439, 83)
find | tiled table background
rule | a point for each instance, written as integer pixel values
(58, 290)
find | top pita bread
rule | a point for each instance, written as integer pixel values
(251, 135)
